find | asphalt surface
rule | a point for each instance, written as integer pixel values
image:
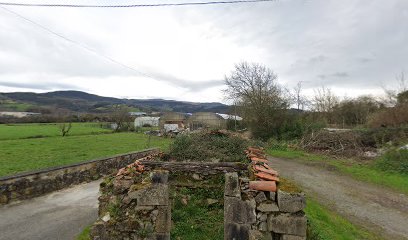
(378, 209)
(60, 215)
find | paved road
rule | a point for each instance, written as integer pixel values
(57, 216)
(378, 209)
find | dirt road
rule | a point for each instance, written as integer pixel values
(60, 215)
(377, 209)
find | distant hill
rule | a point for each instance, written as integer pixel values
(84, 102)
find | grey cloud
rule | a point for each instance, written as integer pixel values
(365, 60)
(334, 75)
(183, 83)
(46, 53)
(317, 59)
(340, 74)
(39, 85)
(311, 42)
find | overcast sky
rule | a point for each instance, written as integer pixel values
(183, 53)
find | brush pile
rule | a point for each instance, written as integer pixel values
(345, 143)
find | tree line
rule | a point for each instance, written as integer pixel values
(271, 110)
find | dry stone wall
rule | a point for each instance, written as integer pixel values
(252, 214)
(135, 203)
(141, 211)
(36, 183)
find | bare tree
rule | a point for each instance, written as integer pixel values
(324, 100)
(391, 95)
(299, 99)
(63, 118)
(258, 96)
(120, 117)
(65, 128)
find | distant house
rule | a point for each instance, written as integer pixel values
(19, 114)
(210, 120)
(144, 121)
(173, 121)
(137, 114)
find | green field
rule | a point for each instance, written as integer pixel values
(9, 105)
(38, 130)
(365, 171)
(22, 151)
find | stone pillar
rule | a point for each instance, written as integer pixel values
(239, 214)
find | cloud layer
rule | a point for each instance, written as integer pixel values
(352, 46)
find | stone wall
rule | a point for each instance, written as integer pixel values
(140, 210)
(250, 214)
(135, 203)
(36, 183)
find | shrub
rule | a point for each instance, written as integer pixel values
(395, 160)
(209, 146)
(274, 144)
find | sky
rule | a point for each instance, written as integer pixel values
(354, 47)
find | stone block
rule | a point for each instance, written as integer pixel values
(238, 211)
(292, 237)
(263, 226)
(3, 199)
(271, 196)
(153, 195)
(233, 231)
(232, 188)
(268, 207)
(288, 224)
(162, 236)
(291, 202)
(260, 197)
(98, 231)
(159, 176)
(262, 216)
(163, 220)
(259, 235)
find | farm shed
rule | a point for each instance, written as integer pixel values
(173, 121)
(143, 121)
(210, 120)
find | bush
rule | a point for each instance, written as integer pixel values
(395, 160)
(378, 137)
(274, 144)
(209, 146)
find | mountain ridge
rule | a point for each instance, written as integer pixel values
(79, 101)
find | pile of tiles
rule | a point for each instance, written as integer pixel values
(137, 166)
(265, 178)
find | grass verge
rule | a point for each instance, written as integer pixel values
(324, 224)
(29, 154)
(195, 218)
(365, 171)
(84, 235)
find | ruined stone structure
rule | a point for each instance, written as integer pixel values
(135, 203)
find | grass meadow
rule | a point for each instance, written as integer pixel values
(40, 130)
(21, 150)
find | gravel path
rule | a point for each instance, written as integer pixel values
(375, 208)
(59, 215)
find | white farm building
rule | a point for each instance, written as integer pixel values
(147, 121)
